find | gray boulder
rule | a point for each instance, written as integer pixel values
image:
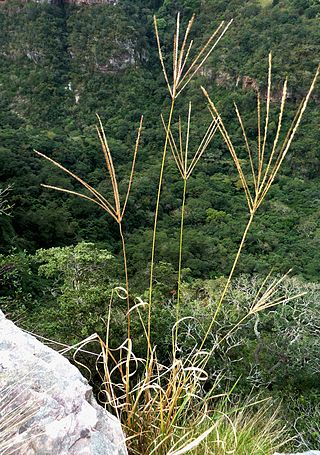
(46, 406)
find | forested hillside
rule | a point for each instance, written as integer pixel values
(61, 257)
(62, 64)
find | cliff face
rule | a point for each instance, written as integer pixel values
(71, 2)
(84, 2)
(57, 52)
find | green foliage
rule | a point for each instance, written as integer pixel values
(61, 293)
(77, 61)
(302, 408)
(245, 431)
(80, 282)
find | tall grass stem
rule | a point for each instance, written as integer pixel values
(155, 225)
(180, 261)
(226, 287)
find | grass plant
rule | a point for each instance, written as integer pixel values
(115, 208)
(182, 73)
(244, 431)
(264, 163)
(165, 409)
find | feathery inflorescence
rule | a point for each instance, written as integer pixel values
(113, 208)
(265, 161)
(182, 72)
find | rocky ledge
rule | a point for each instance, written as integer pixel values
(46, 406)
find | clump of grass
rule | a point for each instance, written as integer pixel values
(244, 431)
(152, 408)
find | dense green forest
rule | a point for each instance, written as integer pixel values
(60, 256)
(60, 65)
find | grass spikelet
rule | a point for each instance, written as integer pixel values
(182, 72)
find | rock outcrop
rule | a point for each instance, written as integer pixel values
(46, 406)
(71, 2)
(86, 2)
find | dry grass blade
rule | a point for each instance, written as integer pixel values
(194, 442)
(181, 75)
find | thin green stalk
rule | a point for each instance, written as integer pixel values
(180, 258)
(235, 262)
(125, 265)
(156, 221)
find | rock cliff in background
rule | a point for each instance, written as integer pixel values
(84, 2)
(74, 2)
(46, 406)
